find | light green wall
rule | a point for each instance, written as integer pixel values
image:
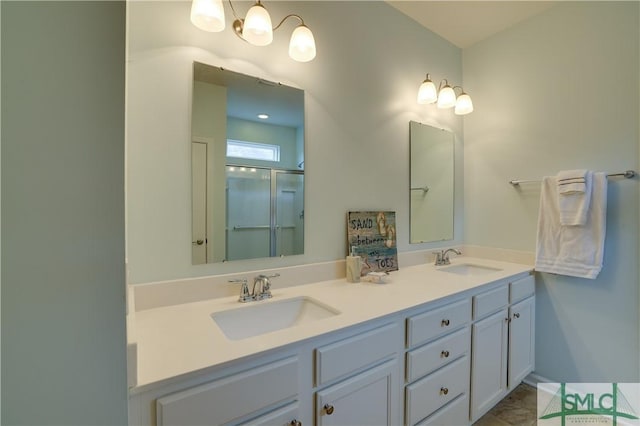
(63, 250)
(556, 92)
(360, 94)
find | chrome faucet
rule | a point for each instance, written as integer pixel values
(261, 288)
(245, 296)
(442, 257)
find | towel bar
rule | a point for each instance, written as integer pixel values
(628, 174)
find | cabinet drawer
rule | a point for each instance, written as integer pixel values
(521, 289)
(424, 360)
(424, 327)
(349, 355)
(454, 413)
(224, 400)
(425, 396)
(489, 302)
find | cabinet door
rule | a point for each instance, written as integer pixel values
(521, 340)
(285, 416)
(489, 362)
(365, 399)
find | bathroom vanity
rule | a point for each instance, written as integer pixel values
(434, 345)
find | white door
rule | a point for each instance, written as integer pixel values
(489, 362)
(521, 340)
(198, 203)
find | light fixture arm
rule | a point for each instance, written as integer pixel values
(291, 15)
(233, 9)
(458, 87)
(446, 83)
(238, 23)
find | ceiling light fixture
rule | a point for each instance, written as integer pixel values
(444, 96)
(255, 28)
(263, 116)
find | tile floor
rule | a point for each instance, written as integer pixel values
(517, 409)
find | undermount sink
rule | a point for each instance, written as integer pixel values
(267, 316)
(469, 269)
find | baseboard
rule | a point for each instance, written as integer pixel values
(533, 379)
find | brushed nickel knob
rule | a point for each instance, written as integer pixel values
(444, 391)
(295, 422)
(444, 323)
(516, 315)
(328, 409)
(444, 354)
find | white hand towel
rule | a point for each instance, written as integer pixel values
(572, 181)
(576, 251)
(574, 206)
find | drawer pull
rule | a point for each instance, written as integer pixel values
(444, 354)
(516, 315)
(444, 391)
(328, 409)
(444, 323)
(295, 422)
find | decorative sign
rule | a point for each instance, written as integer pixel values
(373, 235)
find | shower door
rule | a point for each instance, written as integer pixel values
(288, 227)
(265, 212)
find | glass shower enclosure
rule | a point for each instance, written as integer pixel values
(265, 212)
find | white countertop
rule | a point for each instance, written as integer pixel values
(176, 340)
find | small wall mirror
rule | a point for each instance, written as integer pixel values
(247, 144)
(432, 182)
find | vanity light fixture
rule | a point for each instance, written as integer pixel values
(255, 28)
(444, 96)
(427, 93)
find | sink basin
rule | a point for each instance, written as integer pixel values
(468, 269)
(264, 317)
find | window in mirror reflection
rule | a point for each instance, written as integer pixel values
(247, 171)
(432, 183)
(253, 151)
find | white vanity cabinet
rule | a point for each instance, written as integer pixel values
(502, 342)
(437, 365)
(443, 362)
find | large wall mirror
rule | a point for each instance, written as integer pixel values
(247, 145)
(432, 183)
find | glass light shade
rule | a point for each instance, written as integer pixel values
(208, 15)
(463, 104)
(427, 93)
(257, 28)
(302, 47)
(446, 97)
